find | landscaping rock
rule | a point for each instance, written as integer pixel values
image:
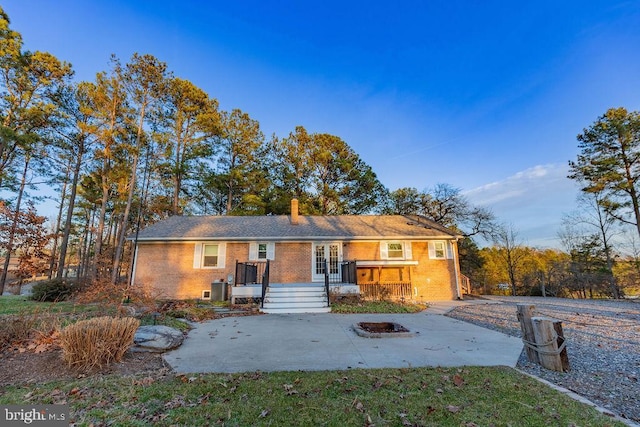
(157, 338)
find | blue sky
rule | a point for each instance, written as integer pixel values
(486, 96)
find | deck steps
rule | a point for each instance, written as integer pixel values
(310, 298)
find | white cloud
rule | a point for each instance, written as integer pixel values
(518, 184)
(533, 200)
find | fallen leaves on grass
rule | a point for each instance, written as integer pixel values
(146, 381)
(289, 390)
(458, 380)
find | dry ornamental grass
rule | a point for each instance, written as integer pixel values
(91, 344)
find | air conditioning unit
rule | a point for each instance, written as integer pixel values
(206, 294)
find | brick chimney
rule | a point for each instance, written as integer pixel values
(294, 211)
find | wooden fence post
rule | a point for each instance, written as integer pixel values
(549, 340)
(525, 313)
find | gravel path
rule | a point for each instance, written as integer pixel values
(603, 344)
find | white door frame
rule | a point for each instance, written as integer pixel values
(317, 270)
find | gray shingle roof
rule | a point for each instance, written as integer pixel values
(279, 227)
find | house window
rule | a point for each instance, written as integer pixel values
(262, 251)
(209, 255)
(394, 250)
(437, 250)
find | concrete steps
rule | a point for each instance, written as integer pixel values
(296, 299)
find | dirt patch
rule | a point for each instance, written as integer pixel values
(39, 360)
(36, 368)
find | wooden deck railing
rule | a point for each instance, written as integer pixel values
(465, 284)
(385, 290)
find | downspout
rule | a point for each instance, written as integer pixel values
(456, 267)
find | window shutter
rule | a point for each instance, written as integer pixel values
(197, 255)
(432, 250)
(407, 251)
(253, 251)
(449, 250)
(221, 255)
(384, 250)
(271, 251)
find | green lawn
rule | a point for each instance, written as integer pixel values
(18, 304)
(361, 306)
(469, 396)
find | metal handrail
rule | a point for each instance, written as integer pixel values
(265, 283)
(326, 281)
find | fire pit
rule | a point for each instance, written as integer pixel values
(381, 330)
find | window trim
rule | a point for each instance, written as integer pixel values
(254, 251)
(447, 250)
(198, 256)
(406, 250)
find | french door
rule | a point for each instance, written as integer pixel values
(332, 252)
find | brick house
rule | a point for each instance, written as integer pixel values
(393, 256)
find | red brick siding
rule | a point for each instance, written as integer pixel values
(292, 263)
(432, 279)
(166, 269)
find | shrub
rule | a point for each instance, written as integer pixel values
(188, 309)
(14, 329)
(53, 290)
(18, 328)
(104, 292)
(94, 343)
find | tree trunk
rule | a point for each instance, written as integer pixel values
(54, 250)
(132, 187)
(86, 244)
(14, 225)
(177, 178)
(70, 207)
(101, 222)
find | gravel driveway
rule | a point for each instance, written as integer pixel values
(603, 344)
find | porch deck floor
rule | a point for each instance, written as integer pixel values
(312, 342)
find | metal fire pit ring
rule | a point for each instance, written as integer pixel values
(381, 330)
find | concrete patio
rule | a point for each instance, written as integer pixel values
(311, 342)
